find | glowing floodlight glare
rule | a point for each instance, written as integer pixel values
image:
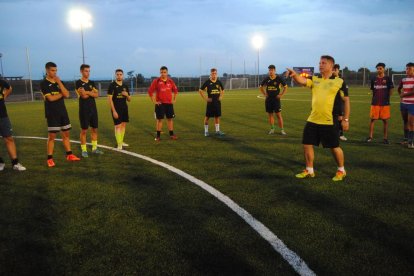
(257, 42)
(80, 19)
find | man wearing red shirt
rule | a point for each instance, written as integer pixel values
(163, 93)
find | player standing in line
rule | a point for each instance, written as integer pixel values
(341, 100)
(88, 114)
(272, 93)
(406, 91)
(215, 92)
(381, 87)
(163, 93)
(6, 129)
(57, 117)
(118, 95)
(320, 126)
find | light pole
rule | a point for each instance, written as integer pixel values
(1, 63)
(80, 19)
(257, 42)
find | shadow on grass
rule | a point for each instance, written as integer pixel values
(397, 241)
(28, 226)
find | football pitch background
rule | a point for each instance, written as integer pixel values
(117, 214)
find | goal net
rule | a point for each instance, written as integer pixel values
(396, 78)
(236, 83)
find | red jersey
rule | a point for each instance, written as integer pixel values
(407, 85)
(163, 90)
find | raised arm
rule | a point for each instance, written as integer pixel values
(298, 79)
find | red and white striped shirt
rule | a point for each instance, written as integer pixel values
(407, 86)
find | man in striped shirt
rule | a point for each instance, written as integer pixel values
(406, 91)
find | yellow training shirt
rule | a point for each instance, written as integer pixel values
(323, 98)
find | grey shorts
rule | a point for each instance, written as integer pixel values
(5, 127)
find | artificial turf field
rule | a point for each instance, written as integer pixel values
(120, 215)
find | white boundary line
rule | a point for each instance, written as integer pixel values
(291, 257)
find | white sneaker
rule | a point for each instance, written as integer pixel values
(206, 134)
(19, 167)
(271, 131)
(119, 148)
(343, 138)
(125, 145)
(2, 165)
(283, 132)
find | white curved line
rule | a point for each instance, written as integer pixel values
(291, 257)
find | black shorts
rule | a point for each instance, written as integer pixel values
(123, 116)
(213, 109)
(315, 134)
(164, 110)
(88, 119)
(58, 122)
(5, 127)
(273, 105)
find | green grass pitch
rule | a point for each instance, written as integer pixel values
(119, 215)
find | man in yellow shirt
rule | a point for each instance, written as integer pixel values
(320, 126)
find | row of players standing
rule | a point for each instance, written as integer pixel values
(163, 93)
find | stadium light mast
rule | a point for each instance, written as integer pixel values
(1, 63)
(257, 42)
(80, 19)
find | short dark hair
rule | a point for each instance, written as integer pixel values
(271, 66)
(50, 65)
(380, 64)
(337, 66)
(119, 70)
(330, 58)
(213, 70)
(83, 66)
(410, 64)
(163, 68)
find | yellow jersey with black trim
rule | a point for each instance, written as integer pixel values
(323, 97)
